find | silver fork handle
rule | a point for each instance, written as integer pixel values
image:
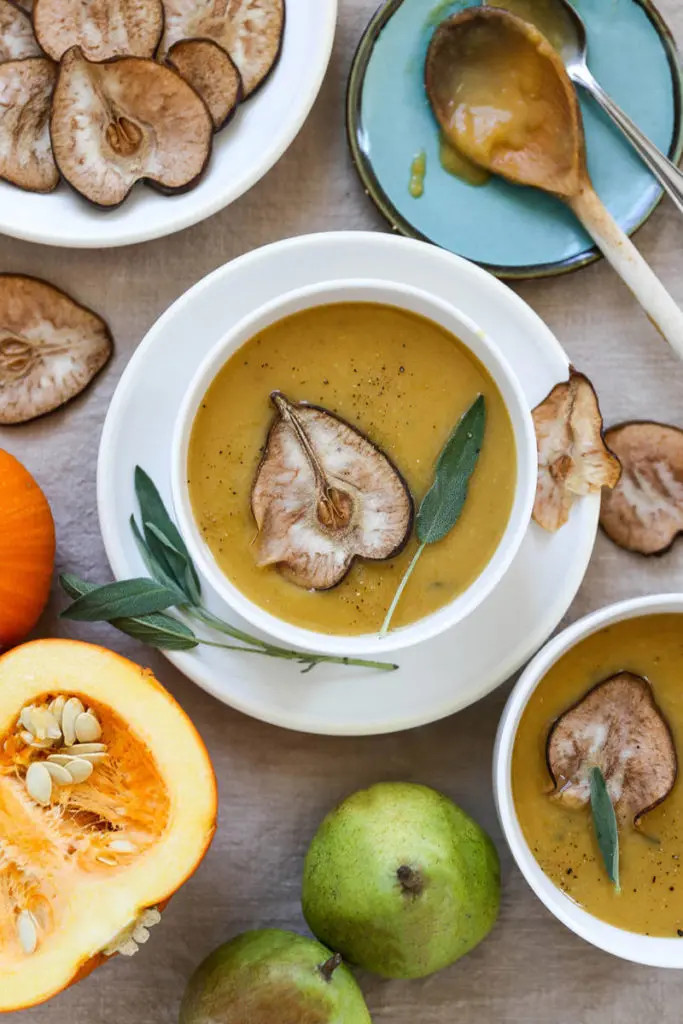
(663, 169)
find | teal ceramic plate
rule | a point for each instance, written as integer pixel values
(513, 232)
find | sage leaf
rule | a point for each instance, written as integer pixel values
(605, 824)
(157, 630)
(128, 598)
(170, 551)
(74, 586)
(154, 568)
(443, 503)
(136, 607)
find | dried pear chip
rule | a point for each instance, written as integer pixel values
(211, 73)
(572, 457)
(16, 33)
(644, 512)
(26, 156)
(249, 30)
(126, 120)
(102, 28)
(324, 495)
(51, 347)
(618, 727)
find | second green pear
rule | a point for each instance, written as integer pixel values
(401, 881)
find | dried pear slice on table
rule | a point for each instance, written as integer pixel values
(644, 512)
(126, 120)
(26, 156)
(211, 73)
(324, 495)
(618, 727)
(102, 28)
(249, 30)
(50, 348)
(573, 459)
(16, 33)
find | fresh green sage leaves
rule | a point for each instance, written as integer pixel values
(605, 824)
(443, 503)
(139, 607)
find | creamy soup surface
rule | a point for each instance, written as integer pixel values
(402, 380)
(562, 840)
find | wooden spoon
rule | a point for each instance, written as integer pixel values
(502, 97)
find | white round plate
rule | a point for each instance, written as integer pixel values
(243, 152)
(437, 677)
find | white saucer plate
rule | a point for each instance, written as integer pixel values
(245, 150)
(438, 677)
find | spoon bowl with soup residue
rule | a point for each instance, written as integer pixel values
(502, 97)
(563, 26)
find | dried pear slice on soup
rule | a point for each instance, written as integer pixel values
(102, 28)
(644, 512)
(50, 348)
(126, 120)
(573, 460)
(26, 158)
(249, 30)
(17, 39)
(211, 73)
(619, 728)
(324, 495)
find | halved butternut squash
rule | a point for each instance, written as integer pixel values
(107, 805)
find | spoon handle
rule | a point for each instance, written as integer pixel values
(618, 248)
(663, 169)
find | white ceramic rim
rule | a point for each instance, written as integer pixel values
(481, 346)
(641, 949)
(274, 149)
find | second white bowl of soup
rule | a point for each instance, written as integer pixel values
(352, 389)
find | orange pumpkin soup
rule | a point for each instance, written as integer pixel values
(562, 839)
(405, 383)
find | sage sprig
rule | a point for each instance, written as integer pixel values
(139, 607)
(605, 824)
(443, 503)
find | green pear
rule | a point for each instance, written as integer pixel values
(269, 976)
(401, 881)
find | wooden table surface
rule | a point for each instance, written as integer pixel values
(275, 786)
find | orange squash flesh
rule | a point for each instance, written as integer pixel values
(27, 551)
(152, 795)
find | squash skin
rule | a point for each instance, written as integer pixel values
(27, 551)
(54, 649)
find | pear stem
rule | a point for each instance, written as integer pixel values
(330, 966)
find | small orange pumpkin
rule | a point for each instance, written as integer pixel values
(27, 551)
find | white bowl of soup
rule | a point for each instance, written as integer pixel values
(555, 843)
(400, 367)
